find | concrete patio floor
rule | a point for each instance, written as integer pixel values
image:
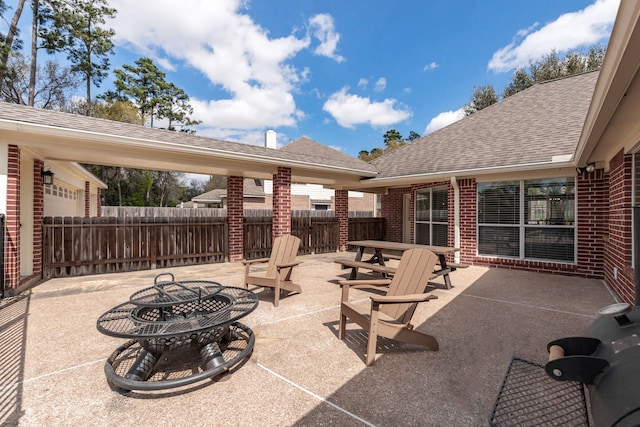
(300, 374)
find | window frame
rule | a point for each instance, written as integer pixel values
(522, 224)
(430, 222)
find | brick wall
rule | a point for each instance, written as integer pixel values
(391, 210)
(591, 223)
(342, 214)
(592, 213)
(12, 235)
(281, 202)
(38, 215)
(618, 271)
(591, 202)
(468, 195)
(235, 215)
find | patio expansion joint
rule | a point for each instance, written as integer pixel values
(588, 316)
(314, 395)
(297, 316)
(50, 374)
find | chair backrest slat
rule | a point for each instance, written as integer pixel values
(285, 250)
(411, 277)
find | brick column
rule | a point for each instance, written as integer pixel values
(341, 200)
(468, 207)
(38, 216)
(235, 217)
(12, 224)
(99, 202)
(87, 199)
(281, 203)
(611, 220)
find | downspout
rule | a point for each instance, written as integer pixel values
(456, 217)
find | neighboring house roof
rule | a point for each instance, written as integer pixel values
(533, 129)
(250, 189)
(213, 196)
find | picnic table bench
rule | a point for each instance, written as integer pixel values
(376, 262)
(355, 265)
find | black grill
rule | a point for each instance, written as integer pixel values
(607, 360)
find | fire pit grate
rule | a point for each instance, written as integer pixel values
(181, 333)
(528, 397)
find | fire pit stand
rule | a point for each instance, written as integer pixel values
(181, 333)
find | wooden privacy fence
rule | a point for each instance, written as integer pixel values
(82, 246)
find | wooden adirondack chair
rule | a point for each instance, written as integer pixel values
(389, 315)
(279, 268)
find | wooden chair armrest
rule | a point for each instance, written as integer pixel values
(383, 299)
(255, 261)
(288, 264)
(365, 283)
(361, 284)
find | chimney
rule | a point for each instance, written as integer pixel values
(270, 139)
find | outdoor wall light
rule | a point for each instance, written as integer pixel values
(47, 176)
(589, 168)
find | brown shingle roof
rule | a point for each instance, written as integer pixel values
(21, 113)
(531, 127)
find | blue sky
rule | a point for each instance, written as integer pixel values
(343, 72)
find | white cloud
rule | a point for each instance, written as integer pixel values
(570, 31)
(363, 83)
(324, 30)
(430, 66)
(350, 110)
(444, 119)
(381, 84)
(229, 48)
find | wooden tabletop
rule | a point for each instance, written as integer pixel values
(397, 246)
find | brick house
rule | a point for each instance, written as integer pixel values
(544, 180)
(501, 184)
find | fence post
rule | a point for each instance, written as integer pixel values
(153, 245)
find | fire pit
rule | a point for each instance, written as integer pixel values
(181, 333)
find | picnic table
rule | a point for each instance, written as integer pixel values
(376, 262)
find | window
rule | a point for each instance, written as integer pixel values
(530, 219)
(432, 213)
